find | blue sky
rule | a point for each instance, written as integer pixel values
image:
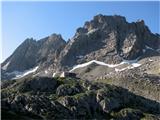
(21, 20)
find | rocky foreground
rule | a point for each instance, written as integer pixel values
(46, 98)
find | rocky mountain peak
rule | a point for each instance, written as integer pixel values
(55, 37)
(52, 41)
(103, 18)
(27, 42)
(31, 53)
(100, 21)
(108, 38)
(140, 21)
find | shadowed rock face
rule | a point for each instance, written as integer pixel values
(23, 57)
(32, 53)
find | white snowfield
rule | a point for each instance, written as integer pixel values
(131, 66)
(132, 63)
(93, 61)
(119, 70)
(22, 74)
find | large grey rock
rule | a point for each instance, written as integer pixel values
(67, 89)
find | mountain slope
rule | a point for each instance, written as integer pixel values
(108, 39)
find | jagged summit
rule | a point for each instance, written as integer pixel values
(100, 20)
(109, 39)
(55, 37)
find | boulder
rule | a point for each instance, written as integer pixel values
(68, 89)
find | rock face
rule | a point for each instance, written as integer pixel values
(23, 57)
(109, 39)
(32, 53)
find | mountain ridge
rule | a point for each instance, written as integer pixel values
(108, 39)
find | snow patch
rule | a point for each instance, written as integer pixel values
(131, 66)
(119, 70)
(136, 64)
(14, 73)
(19, 74)
(6, 65)
(147, 47)
(54, 74)
(91, 31)
(131, 63)
(27, 72)
(94, 61)
(150, 60)
(45, 71)
(80, 56)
